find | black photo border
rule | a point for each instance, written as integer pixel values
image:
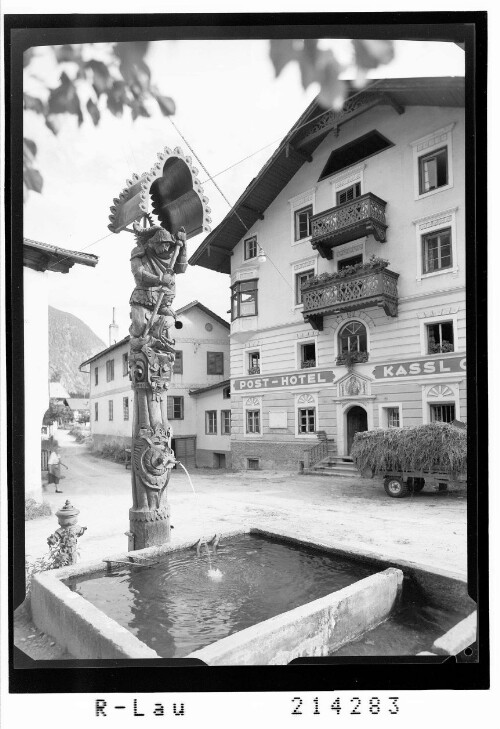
(401, 673)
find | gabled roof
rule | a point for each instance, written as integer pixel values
(182, 310)
(44, 256)
(199, 390)
(78, 403)
(302, 140)
(105, 351)
(206, 310)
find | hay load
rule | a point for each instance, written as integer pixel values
(436, 447)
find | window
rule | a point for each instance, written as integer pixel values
(211, 422)
(433, 170)
(175, 407)
(177, 370)
(307, 420)
(125, 408)
(96, 375)
(125, 364)
(308, 355)
(253, 464)
(349, 193)
(244, 299)
(352, 261)
(110, 409)
(436, 251)
(352, 338)
(300, 279)
(440, 337)
(392, 417)
(349, 154)
(302, 222)
(250, 247)
(225, 422)
(253, 421)
(254, 363)
(215, 363)
(226, 393)
(96, 411)
(443, 413)
(110, 370)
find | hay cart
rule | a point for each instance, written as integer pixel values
(398, 483)
(410, 459)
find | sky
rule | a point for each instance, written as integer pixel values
(229, 105)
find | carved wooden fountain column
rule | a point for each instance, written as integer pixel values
(171, 191)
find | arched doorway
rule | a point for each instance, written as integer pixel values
(357, 420)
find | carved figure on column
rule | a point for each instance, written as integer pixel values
(172, 192)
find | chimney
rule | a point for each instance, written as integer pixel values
(113, 330)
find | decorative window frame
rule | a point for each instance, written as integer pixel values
(440, 393)
(296, 203)
(305, 264)
(430, 224)
(436, 320)
(348, 250)
(304, 400)
(246, 352)
(252, 403)
(346, 178)
(382, 417)
(257, 247)
(424, 146)
(298, 346)
(341, 324)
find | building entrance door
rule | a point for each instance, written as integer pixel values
(356, 421)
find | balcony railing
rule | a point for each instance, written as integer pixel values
(352, 220)
(357, 291)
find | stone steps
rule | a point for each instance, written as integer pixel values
(334, 466)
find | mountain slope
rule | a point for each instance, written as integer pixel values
(71, 342)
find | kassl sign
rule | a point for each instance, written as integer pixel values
(412, 368)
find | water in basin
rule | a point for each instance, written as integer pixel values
(176, 608)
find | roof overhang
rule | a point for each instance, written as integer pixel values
(43, 256)
(298, 146)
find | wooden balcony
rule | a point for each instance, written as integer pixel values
(362, 216)
(357, 291)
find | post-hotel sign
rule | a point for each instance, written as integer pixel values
(291, 379)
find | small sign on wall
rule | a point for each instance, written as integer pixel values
(420, 367)
(278, 419)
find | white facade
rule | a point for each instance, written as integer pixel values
(278, 410)
(36, 375)
(203, 343)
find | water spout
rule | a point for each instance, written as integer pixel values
(214, 574)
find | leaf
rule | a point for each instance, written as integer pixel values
(101, 78)
(166, 104)
(282, 51)
(33, 179)
(31, 103)
(27, 57)
(138, 109)
(64, 99)
(67, 53)
(117, 98)
(29, 149)
(53, 123)
(93, 111)
(372, 53)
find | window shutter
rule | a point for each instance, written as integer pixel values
(170, 407)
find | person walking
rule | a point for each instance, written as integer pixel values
(55, 464)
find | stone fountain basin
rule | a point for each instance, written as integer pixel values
(316, 628)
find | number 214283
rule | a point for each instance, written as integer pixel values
(355, 705)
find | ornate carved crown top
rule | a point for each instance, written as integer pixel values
(170, 190)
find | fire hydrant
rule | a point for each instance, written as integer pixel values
(64, 540)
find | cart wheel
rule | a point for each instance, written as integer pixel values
(395, 487)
